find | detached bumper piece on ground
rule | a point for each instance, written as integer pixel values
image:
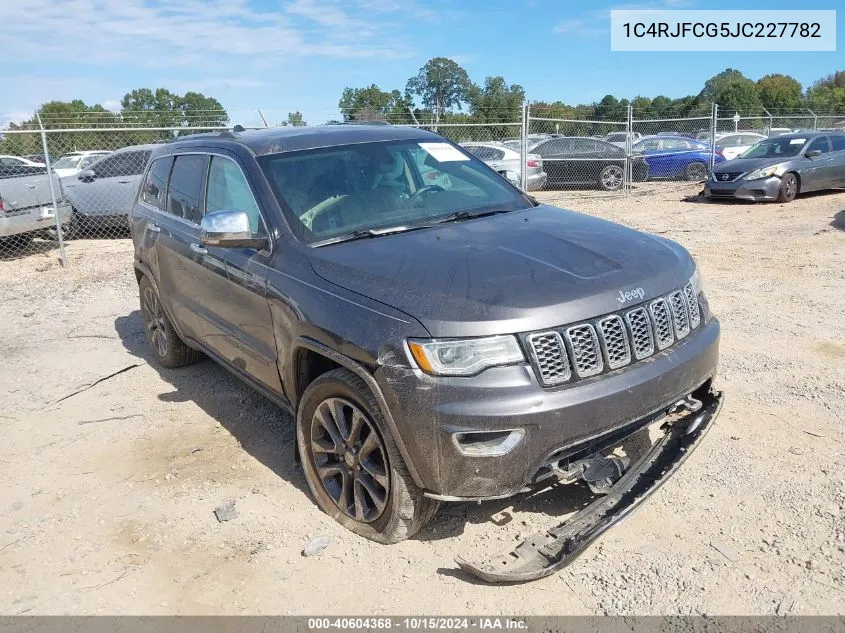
(543, 554)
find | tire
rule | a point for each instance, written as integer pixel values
(169, 350)
(611, 177)
(696, 172)
(788, 188)
(353, 467)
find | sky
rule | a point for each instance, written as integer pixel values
(285, 55)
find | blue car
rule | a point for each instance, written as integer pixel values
(676, 157)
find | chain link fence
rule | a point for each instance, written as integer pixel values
(75, 178)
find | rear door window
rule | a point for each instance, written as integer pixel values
(838, 143)
(154, 189)
(184, 195)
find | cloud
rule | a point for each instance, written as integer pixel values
(193, 33)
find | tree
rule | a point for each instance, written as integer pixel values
(732, 91)
(61, 115)
(496, 101)
(828, 94)
(162, 108)
(373, 103)
(441, 84)
(779, 92)
(295, 119)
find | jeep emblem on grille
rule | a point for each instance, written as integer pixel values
(630, 295)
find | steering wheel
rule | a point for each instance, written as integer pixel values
(427, 189)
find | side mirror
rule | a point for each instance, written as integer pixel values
(229, 229)
(813, 153)
(87, 175)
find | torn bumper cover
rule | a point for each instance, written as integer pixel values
(543, 554)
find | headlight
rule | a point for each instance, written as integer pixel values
(765, 172)
(464, 357)
(696, 281)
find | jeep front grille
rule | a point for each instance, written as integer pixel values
(612, 341)
(586, 354)
(615, 341)
(549, 356)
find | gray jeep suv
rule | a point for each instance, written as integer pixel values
(444, 341)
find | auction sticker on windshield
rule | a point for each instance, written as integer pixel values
(797, 141)
(443, 152)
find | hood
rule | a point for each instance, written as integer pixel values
(748, 164)
(508, 273)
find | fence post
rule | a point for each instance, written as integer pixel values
(628, 179)
(771, 119)
(714, 124)
(59, 236)
(523, 164)
(815, 119)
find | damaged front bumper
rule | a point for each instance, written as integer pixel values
(543, 554)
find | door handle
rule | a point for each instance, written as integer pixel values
(125, 182)
(31, 186)
(154, 228)
(201, 250)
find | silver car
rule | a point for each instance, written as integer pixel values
(782, 167)
(507, 161)
(102, 195)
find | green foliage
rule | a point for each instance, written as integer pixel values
(779, 92)
(828, 94)
(374, 104)
(295, 119)
(441, 84)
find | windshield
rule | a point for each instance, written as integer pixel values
(67, 162)
(616, 137)
(334, 191)
(775, 148)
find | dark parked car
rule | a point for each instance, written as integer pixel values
(780, 168)
(433, 345)
(576, 160)
(676, 157)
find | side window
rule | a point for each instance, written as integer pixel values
(820, 144)
(554, 148)
(228, 189)
(651, 143)
(155, 186)
(674, 144)
(122, 164)
(185, 191)
(838, 143)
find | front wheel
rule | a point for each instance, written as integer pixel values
(352, 464)
(788, 188)
(611, 178)
(696, 172)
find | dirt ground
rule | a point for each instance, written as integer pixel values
(112, 467)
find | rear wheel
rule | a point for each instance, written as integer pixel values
(696, 172)
(169, 350)
(788, 188)
(352, 464)
(611, 178)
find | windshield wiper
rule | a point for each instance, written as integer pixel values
(459, 216)
(363, 233)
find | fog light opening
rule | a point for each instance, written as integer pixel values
(487, 443)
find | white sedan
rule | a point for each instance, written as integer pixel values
(732, 145)
(74, 162)
(12, 161)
